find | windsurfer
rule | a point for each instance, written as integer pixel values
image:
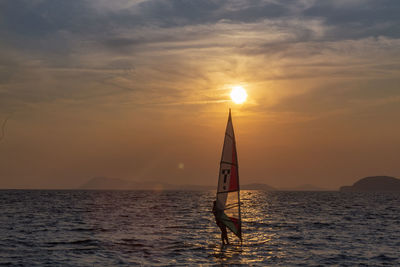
(218, 219)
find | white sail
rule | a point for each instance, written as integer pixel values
(228, 192)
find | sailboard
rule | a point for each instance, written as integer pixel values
(228, 191)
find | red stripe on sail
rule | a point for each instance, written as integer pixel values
(233, 183)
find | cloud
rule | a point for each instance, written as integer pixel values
(357, 19)
(92, 49)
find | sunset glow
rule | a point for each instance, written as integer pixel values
(140, 89)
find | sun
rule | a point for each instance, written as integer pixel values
(238, 94)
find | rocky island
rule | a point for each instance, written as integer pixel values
(374, 184)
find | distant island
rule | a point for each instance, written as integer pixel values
(304, 187)
(374, 184)
(257, 186)
(106, 183)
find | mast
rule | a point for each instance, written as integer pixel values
(238, 192)
(238, 185)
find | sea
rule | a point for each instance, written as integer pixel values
(177, 228)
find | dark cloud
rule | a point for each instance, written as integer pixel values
(25, 22)
(177, 12)
(358, 20)
(171, 13)
(40, 18)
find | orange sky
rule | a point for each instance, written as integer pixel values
(133, 94)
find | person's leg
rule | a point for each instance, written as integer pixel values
(225, 235)
(222, 233)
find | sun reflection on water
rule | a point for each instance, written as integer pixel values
(256, 237)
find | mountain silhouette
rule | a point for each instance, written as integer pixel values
(374, 184)
(107, 183)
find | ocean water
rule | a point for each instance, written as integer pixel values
(168, 228)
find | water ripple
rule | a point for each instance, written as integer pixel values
(111, 228)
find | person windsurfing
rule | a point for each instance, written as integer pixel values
(218, 213)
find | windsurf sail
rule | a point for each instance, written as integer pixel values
(228, 192)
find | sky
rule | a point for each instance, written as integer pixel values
(139, 90)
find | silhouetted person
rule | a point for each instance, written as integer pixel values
(218, 219)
